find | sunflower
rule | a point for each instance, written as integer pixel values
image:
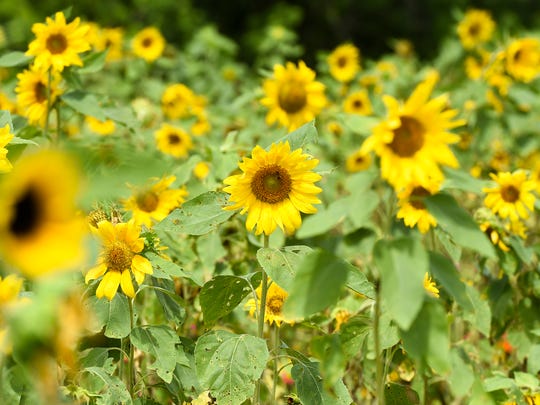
(155, 202)
(495, 235)
(32, 94)
(10, 288)
(413, 140)
(358, 161)
(58, 44)
(119, 258)
(201, 170)
(148, 44)
(5, 137)
(40, 230)
(293, 96)
(112, 40)
(106, 127)
(173, 141)
(201, 125)
(344, 62)
(411, 207)
(176, 101)
(274, 187)
(476, 28)
(275, 298)
(512, 197)
(430, 286)
(7, 104)
(358, 103)
(523, 59)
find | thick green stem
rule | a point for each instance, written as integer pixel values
(131, 378)
(49, 81)
(275, 348)
(379, 358)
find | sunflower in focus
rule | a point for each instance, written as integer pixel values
(106, 127)
(358, 161)
(358, 103)
(32, 93)
(274, 187)
(119, 259)
(512, 197)
(275, 298)
(412, 208)
(173, 141)
(148, 44)
(154, 203)
(58, 44)
(344, 62)
(476, 28)
(5, 137)
(293, 96)
(523, 59)
(40, 231)
(414, 140)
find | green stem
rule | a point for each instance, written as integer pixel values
(379, 358)
(57, 109)
(131, 378)
(275, 348)
(426, 387)
(49, 81)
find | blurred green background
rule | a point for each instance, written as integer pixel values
(320, 25)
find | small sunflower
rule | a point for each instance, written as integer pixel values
(201, 170)
(40, 230)
(512, 197)
(495, 235)
(177, 100)
(430, 286)
(274, 187)
(344, 62)
(201, 125)
(154, 203)
(32, 93)
(58, 44)
(358, 161)
(6, 103)
(119, 259)
(173, 141)
(275, 298)
(414, 139)
(476, 28)
(293, 96)
(358, 103)
(112, 40)
(5, 137)
(413, 210)
(10, 288)
(148, 44)
(106, 127)
(523, 59)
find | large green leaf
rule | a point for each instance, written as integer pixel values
(282, 264)
(172, 304)
(307, 133)
(115, 389)
(84, 103)
(461, 378)
(229, 364)
(15, 58)
(446, 274)
(307, 378)
(324, 220)
(113, 315)
(397, 394)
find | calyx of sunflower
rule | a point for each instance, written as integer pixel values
(408, 137)
(271, 184)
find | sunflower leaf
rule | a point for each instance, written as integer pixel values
(281, 264)
(307, 133)
(118, 324)
(84, 103)
(15, 58)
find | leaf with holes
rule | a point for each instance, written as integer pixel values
(221, 295)
(307, 378)
(115, 390)
(229, 364)
(281, 264)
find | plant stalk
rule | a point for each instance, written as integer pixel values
(379, 358)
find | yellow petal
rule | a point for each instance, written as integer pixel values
(109, 285)
(141, 264)
(95, 272)
(127, 284)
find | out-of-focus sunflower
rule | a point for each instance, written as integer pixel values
(357, 161)
(148, 44)
(412, 208)
(106, 127)
(358, 103)
(5, 137)
(173, 141)
(177, 100)
(523, 59)
(112, 40)
(476, 28)
(344, 62)
(275, 298)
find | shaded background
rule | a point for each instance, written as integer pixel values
(372, 25)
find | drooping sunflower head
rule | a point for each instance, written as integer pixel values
(523, 59)
(293, 96)
(173, 141)
(412, 208)
(57, 43)
(275, 298)
(476, 28)
(344, 62)
(358, 161)
(274, 187)
(148, 44)
(358, 103)
(40, 230)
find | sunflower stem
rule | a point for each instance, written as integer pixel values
(275, 348)
(379, 358)
(130, 378)
(57, 109)
(49, 80)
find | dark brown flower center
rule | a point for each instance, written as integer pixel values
(357, 103)
(27, 214)
(174, 139)
(271, 184)
(292, 97)
(359, 160)
(510, 194)
(416, 197)
(118, 257)
(408, 137)
(474, 30)
(40, 92)
(56, 43)
(341, 61)
(274, 304)
(147, 201)
(147, 42)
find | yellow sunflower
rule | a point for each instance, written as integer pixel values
(155, 202)
(414, 139)
(495, 235)
(274, 187)
(275, 298)
(413, 210)
(201, 170)
(293, 96)
(201, 125)
(523, 59)
(5, 137)
(476, 28)
(430, 286)
(358, 103)
(344, 62)
(106, 127)
(358, 161)
(58, 44)
(10, 288)
(173, 141)
(112, 40)
(40, 231)
(119, 259)
(512, 197)
(148, 44)
(177, 100)
(6, 103)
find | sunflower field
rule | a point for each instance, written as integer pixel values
(179, 226)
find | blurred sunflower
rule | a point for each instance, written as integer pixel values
(201, 125)
(275, 298)
(148, 44)
(476, 28)
(274, 187)
(5, 137)
(201, 170)
(358, 103)
(10, 288)
(173, 141)
(32, 93)
(523, 59)
(413, 210)
(40, 231)
(112, 40)
(58, 44)
(177, 100)
(414, 139)
(430, 286)
(358, 161)
(119, 259)
(6, 103)
(344, 62)
(512, 196)
(293, 96)
(155, 202)
(106, 127)
(494, 234)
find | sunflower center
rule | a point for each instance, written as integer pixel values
(26, 214)
(271, 184)
(359, 159)
(147, 42)
(408, 138)
(518, 55)
(147, 201)
(40, 92)
(510, 194)
(292, 97)
(174, 139)
(118, 257)
(357, 104)
(474, 30)
(341, 61)
(274, 304)
(56, 43)
(416, 197)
